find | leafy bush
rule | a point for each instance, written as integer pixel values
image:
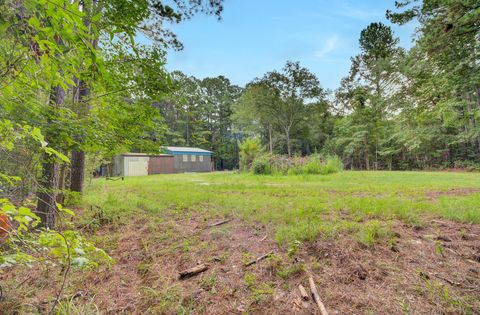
(249, 150)
(261, 165)
(334, 165)
(468, 166)
(278, 164)
(313, 166)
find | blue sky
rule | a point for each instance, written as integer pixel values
(257, 36)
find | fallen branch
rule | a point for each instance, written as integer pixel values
(193, 271)
(303, 292)
(446, 280)
(256, 260)
(220, 223)
(264, 238)
(65, 298)
(316, 296)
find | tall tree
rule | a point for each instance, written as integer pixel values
(125, 19)
(286, 100)
(368, 88)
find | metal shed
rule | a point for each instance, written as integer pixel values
(187, 159)
(161, 164)
(141, 164)
(177, 160)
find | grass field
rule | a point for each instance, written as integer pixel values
(299, 207)
(375, 243)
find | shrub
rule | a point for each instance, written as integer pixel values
(261, 165)
(334, 165)
(249, 150)
(468, 166)
(313, 166)
(278, 164)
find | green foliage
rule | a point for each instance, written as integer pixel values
(281, 106)
(199, 113)
(371, 232)
(333, 165)
(249, 150)
(261, 166)
(311, 165)
(292, 271)
(293, 248)
(26, 244)
(259, 291)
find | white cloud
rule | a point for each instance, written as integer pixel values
(354, 11)
(362, 14)
(330, 45)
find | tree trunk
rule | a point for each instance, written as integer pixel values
(471, 119)
(367, 159)
(78, 171)
(82, 110)
(478, 109)
(270, 138)
(61, 183)
(289, 148)
(478, 98)
(47, 190)
(46, 194)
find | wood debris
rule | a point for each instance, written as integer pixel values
(256, 260)
(316, 296)
(220, 223)
(303, 293)
(193, 271)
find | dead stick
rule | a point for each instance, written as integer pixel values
(193, 271)
(220, 223)
(446, 280)
(316, 296)
(258, 259)
(264, 238)
(303, 292)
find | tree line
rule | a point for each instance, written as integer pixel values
(396, 109)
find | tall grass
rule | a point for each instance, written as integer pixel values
(280, 165)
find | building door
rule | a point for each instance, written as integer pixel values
(136, 166)
(162, 164)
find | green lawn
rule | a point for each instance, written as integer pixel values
(298, 207)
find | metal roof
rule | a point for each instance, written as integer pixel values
(187, 150)
(142, 154)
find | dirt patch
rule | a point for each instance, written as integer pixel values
(117, 289)
(430, 270)
(426, 271)
(455, 192)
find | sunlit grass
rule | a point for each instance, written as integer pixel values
(296, 207)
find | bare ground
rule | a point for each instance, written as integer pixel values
(430, 270)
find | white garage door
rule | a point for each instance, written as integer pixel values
(136, 166)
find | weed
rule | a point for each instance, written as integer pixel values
(439, 248)
(274, 263)
(371, 232)
(186, 246)
(161, 301)
(293, 248)
(405, 306)
(208, 282)
(259, 292)
(246, 258)
(221, 258)
(291, 271)
(70, 307)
